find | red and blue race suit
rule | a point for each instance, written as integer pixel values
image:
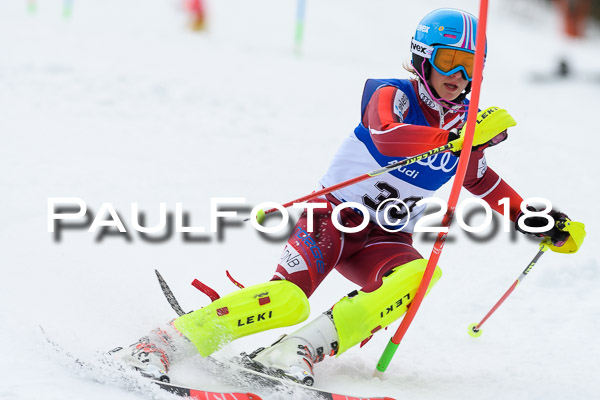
(399, 119)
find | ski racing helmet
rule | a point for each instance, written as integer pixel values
(445, 40)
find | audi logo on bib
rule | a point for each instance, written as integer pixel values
(445, 162)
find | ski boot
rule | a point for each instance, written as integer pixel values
(146, 358)
(154, 353)
(292, 356)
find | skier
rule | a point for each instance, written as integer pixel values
(399, 118)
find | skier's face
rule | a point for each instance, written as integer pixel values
(448, 87)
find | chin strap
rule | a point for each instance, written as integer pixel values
(435, 96)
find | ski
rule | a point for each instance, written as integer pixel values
(203, 394)
(200, 394)
(235, 372)
(297, 390)
(105, 370)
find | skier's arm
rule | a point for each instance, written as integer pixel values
(384, 118)
(484, 183)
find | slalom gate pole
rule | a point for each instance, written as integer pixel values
(475, 329)
(360, 178)
(67, 8)
(394, 342)
(299, 32)
(31, 6)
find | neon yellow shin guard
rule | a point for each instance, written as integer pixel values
(358, 317)
(250, 310)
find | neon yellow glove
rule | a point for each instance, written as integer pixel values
(576, 232)
(565, 236)
(491, 127)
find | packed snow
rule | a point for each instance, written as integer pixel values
(119, 102)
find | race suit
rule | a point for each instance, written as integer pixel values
(398, 119)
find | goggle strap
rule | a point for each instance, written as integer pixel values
(420, 48)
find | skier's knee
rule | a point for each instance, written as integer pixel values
(247, 311)
(360, 314)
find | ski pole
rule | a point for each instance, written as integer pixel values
(360, 178)
(475, 329)
(392, 346)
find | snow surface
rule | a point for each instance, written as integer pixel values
(121, 103)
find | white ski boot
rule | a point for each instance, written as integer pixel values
(153, 354)
(293, 356)
(145, 357)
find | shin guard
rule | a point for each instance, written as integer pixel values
(360, 314)
(250, 310)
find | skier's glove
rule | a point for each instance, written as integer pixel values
(566, 235)
(501, 137)
(490, 130)
(558, 236)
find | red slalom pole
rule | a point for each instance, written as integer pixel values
(394, 342)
